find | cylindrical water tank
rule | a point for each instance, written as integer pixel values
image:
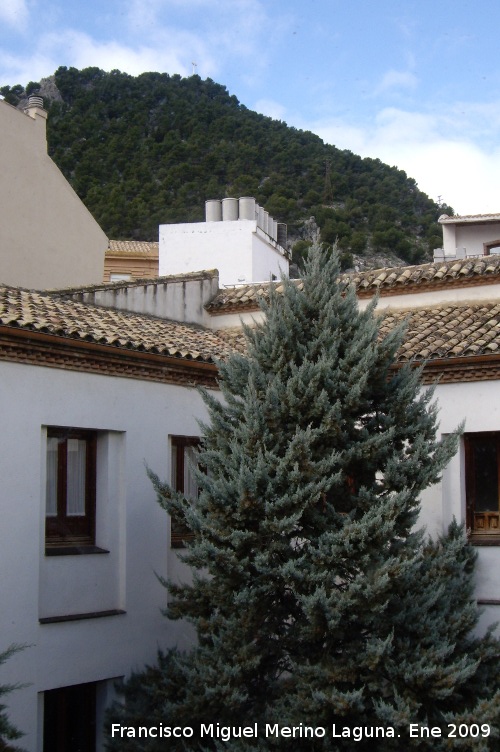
(247, 207)
(229, 209)
(213, 210)
(273, 228)
(265, 224)
(281, 234)
(260, 219)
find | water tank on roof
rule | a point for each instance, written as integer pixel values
(229, 209)
(213, 210)
(281, 234)
(247, 207)
(260, 218)
(265, 224)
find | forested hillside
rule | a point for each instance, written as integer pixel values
(151, 149)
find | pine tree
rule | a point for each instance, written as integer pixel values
(315, 598)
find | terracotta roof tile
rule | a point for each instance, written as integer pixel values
(383, 280)
(66, 318)
(440, 332)
(132, 246)
(458, 218)
(443, 331)
(447, 331)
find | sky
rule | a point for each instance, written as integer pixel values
(414, 83)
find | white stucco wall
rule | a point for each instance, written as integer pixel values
(176, 298)
(238, 249)
(470, 236)
(136, 419)
(478, 403)
(472, 294)
(47, 236)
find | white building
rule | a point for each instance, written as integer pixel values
(99, 380)
(238, 238)
(47, 236)
(88, 396)
(469, 235)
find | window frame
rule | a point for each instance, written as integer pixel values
(64, 529)
(489, 533)
(487, 247)
(179, 533)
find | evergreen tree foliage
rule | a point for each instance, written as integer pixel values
(8, 733)
(315, 598)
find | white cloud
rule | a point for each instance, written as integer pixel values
(270, 108)
(14, 13)
(438, 151)
(394, 79)
(221, 33)
(173, 54)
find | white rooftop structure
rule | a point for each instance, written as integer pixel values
(470, 235)
(238, 238)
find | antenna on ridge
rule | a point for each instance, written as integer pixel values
(328, 189)
(195, 65)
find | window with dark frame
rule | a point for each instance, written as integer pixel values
(70, 487)
(184, 451)
(482, 463)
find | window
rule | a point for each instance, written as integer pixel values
(482, 462)
(70, 487)
(69, 719)
(184, 449)
(492, 248)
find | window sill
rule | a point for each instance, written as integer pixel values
(484, 540)
(81, 617)
(75, 550)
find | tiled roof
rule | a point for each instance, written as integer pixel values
(78, 321)
(447, 331)
(437, 273)
(440, 332)
(61, 292)
(132, 246)
(398, 279)
(445, 219)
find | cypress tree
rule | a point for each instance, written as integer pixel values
(315, 598)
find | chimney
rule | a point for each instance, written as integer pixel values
(35, 108)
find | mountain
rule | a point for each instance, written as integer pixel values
(146, 150)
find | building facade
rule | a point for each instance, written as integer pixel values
(48, 238)
(99, 382)
(92, 396)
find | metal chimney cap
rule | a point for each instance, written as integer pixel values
(34, 101)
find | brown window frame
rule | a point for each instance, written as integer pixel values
(64, 529)
(489, 245)
(179, 533)
(483, 526)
